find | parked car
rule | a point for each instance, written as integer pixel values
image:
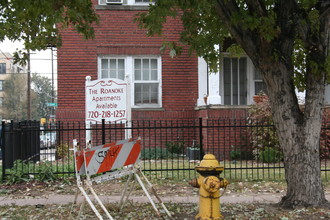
(48, 140)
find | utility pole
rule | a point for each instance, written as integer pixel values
(29, 87)
(52, 112)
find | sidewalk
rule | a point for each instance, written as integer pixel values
(66, 199)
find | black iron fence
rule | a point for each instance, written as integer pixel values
(170, 148)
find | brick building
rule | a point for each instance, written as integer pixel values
(162, 87)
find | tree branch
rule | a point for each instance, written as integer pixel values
(257, 6)
(226, 10)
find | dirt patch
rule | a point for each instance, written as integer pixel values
(182, 211)
(113, 187)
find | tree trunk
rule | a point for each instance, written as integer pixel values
(302, 171)
(299, 135)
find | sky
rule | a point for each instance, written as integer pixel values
(41, 61)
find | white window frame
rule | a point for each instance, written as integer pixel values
(117, 72)
(250, 79)
(140, 3)
(127, 2)
(129, 76)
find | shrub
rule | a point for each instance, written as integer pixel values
(260, 115)
(241, 155)
(156, 153)
(62, 151)
(262, 132)
(18, 173)
(45, 172)
(325, 136)
(175, 147)
(270, 155)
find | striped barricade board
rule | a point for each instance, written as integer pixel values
(108, 157)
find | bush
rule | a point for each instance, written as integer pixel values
(325, 136)
(156, 154)
(62, 151)
(18, 173)
(262, 132)
(263, 135)
(270, 155)
(175, 147)
(241, 155)
(45, 172)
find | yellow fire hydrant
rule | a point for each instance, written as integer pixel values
(209, 184)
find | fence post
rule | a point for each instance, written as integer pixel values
(201, 138)
(2, 142)
(103, 131)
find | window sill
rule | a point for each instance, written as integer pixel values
(122, 7)
(147, 109)
(204, 107)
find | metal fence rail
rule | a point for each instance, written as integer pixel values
(170, 148)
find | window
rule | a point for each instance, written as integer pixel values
(259, 85)
(240, 81)
(235, 81)
(2, 68)
(146, 81)
(113, 68)
(143, 72)
(1, 85)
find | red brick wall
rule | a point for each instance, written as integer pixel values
(117, 34)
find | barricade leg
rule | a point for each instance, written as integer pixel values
(155, 193)
(146, 192)
(82, 206)
(90, 202)
(98, 200)
(74, 202)
(122, 202)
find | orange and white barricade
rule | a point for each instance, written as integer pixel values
(120, 158)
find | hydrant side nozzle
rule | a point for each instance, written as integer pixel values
(223, 183)
(194, 183)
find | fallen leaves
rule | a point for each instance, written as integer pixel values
(182, 211)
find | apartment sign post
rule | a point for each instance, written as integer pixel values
(106, 99)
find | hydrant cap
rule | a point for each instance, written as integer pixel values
(209, 160)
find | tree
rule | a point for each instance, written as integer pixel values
(42, 87)
(288, 43)
(14, 100)
(14, 103)
(37, 23)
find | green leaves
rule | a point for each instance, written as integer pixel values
(42, 87)
(14, 102)
(37, 23)
(267, 30)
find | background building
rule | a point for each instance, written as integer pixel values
(7, 67)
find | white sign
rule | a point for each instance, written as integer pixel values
(106, 99)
